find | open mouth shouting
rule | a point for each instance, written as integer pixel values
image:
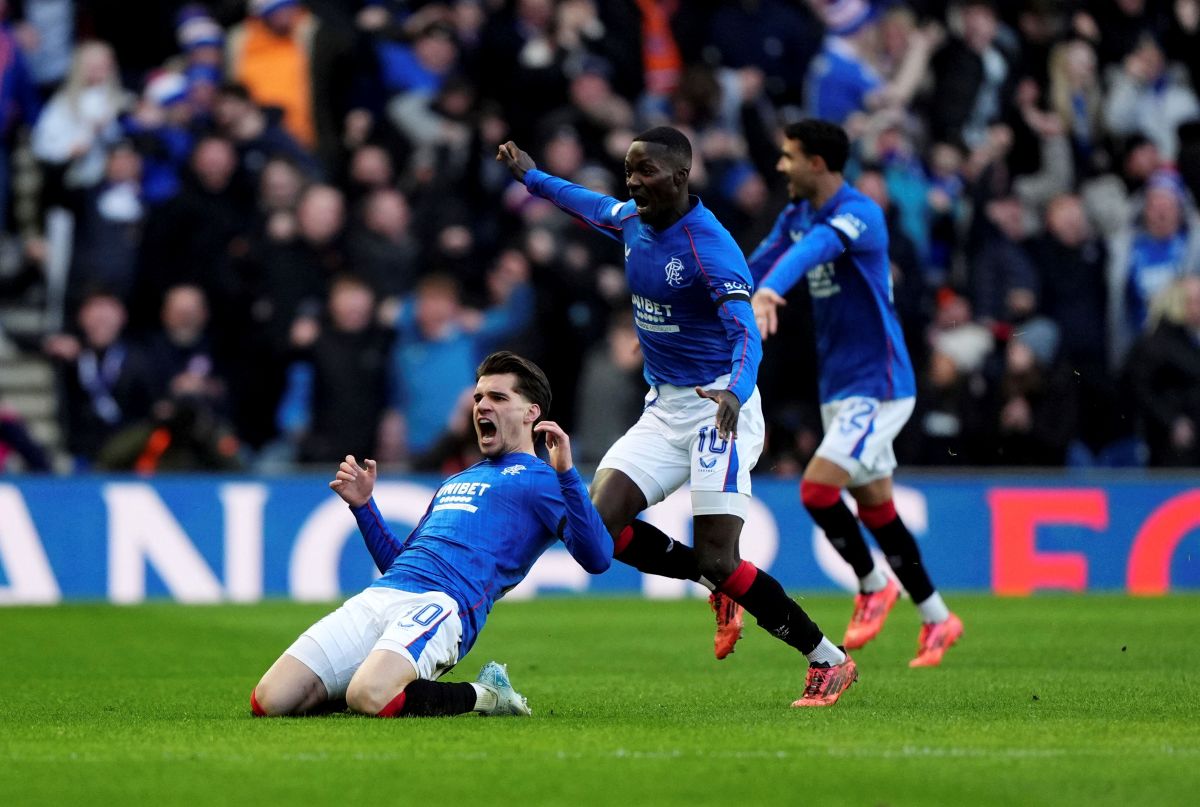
(486, 430)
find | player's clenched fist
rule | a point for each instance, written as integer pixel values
(517, 161)
(353, 482)
(558, 443)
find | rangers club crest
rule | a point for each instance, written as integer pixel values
(675, 273)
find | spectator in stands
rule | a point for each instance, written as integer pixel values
(19, 102)
(1003, 277)
(1035, 407)
(180, 354)
(199, 36)
(257, 133)
(195, 237)
(1150, 96)
(287, 58)
(522, 65)
(337, 389)
(847, 76)
(161, 129)
(1073, 294)
(950, 424)
(104, 378)
(1147, 255)
(1112, 200)
(372, 168)
(438, 343)
(285, 278)
(108, 228)
(280, 185)
(45, 30)
(382, 248)
(973, 76)
(81, 120)
(592, 111)
(1164, 374)
(1076, 96)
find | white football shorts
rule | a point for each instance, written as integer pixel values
(859, 433)
(424, 628)
(675, 441)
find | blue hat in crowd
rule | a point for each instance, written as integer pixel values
(194, 28)
(845, 17)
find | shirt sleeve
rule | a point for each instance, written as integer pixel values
(576, 523)
(729, 286)
(603, 213)
(821, 245)
(381, 542)
(771, 249)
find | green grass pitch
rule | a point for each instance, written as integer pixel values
(1050, 700)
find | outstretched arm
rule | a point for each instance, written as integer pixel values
(595, 209)
(581, 528)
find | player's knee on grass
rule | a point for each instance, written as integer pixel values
(268, 700)
(368, 697)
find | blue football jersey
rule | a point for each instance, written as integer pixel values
(483, 531)
(842, 249)
(690, 287)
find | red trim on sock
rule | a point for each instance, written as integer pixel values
(819, 495)
(255, 708)
(740, 581)
(878, 515)
(395, 706)
(623, 541)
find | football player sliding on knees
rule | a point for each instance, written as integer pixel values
(702, 424)
(383, 651)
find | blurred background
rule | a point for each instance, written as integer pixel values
(261, 235)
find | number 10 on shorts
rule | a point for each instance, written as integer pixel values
(716, 444)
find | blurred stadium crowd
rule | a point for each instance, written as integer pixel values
(273, 232)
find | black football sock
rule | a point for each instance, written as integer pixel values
(776, 612)
(903, 556)
(841, 528)
(648, 549)
(423, 698)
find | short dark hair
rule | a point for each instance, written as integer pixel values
(531, 381)
(823, 139)
(675, 141)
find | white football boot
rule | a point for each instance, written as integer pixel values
(494, 677)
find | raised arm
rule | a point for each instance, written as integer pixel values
(580, 527)
(603, 213)
(354, 484)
